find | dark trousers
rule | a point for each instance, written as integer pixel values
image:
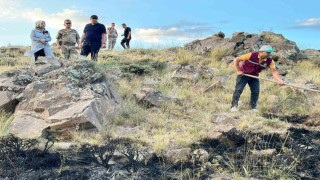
(254, 85)
(91, 47)
(125, 41)
(39, 53)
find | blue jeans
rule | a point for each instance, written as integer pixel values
(91, 47)
(254, 85)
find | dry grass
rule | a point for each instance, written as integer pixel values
(5, 120)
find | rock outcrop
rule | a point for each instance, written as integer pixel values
(57, 96)
(242, 42)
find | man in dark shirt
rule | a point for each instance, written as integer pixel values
(127, 36)
(93, 38)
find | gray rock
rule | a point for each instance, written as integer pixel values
(8, 101)
(46, 68)
(151, 97)
(185, 73)
(151, 81)
(228, 58)
(178, 155)
(200, 155)
(69, 98)
(23, 80)
(310, 53)
(206, 72)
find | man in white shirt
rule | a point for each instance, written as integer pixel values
(112, 36)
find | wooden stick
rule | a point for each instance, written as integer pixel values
(290, 85)
(208, 88)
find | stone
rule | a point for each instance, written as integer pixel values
(226, 134)
(228, 59)
(27, 125)
(185, 73)
(222, 119)
(206, 72)
(151, 97)
(263, 153)
(219, 35)
(151, 81)
(8, 101)
(47, 65)
(200, 155)
(178, 155)
(70, 98)
(23, 80)
(113, 73)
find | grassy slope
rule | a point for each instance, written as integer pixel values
(179, 126)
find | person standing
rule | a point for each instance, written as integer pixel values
(112, 36)
(127, 37)
(93, 38)
(253, 64)
(68, 38)
(40, 38)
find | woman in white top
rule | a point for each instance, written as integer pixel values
(40, 39)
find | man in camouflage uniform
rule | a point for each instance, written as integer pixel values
(66, 40)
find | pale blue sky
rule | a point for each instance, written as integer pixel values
(164, 23)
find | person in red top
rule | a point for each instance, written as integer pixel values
(253, 64)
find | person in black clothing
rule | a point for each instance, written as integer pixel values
(94, 37)
(127, 36)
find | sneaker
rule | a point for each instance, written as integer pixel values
(255, 110)
(234, 109)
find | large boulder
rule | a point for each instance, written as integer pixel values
(12, 83)
(241, 43)
(205, 46)
(64, 98)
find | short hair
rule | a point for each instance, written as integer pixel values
(112, 23)
(39, 24)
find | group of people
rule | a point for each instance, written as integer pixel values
(94, 37)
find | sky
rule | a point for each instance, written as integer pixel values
(165, 23)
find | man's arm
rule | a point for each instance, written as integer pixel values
(58, 43)
(277, 76)
(82, 37)
(79, 44)
(104, 40)
(129, 35)
(58, 39)
(109, 31)
(236, 62)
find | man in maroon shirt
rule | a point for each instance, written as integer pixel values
(253, 64)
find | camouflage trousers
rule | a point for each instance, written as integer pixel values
(67, 51)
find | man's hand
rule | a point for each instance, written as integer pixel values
(240, 73)
(281, 82)
(79, 46)
(128, 37)
(103, 45)
(58, 46)
(43, 41)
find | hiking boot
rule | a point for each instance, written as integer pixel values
(234, 109)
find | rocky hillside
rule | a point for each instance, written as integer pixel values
(143, 114)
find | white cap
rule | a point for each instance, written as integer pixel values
(266, 48)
